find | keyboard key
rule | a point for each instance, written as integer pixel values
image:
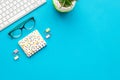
(16, 16)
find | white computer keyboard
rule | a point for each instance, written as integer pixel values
(12, 10)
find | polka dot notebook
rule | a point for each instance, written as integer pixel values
(32, 43)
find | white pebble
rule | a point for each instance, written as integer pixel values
(16, 57)
(47, 36)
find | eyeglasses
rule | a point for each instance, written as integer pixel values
(27, 25)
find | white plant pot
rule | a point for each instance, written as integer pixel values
(63, 9)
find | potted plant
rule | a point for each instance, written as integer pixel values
(64, 5)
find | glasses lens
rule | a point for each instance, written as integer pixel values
(16, 33)
(30, 24)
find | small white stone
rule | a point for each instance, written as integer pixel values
(16, 57)
(47, 36)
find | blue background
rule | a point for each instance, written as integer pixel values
(84, 45)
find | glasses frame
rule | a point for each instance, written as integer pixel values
(21, 28)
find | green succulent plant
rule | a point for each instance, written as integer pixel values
(66, 3)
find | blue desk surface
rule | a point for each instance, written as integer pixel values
(85, 44)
